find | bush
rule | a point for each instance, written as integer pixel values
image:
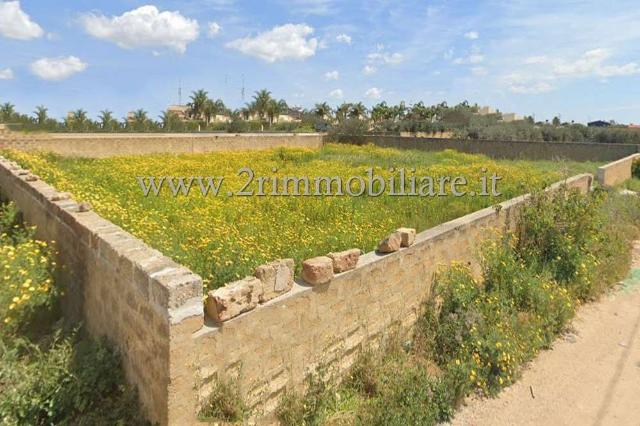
(635, 169)
(224, 403)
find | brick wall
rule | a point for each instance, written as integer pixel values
(97, 145)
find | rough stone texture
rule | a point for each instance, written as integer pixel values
(345, 260)
(143, 302)
(615, 173)
(101, 145)
(276, 278)
(233, 299)
(391, 243)
(84, 207)
(317, 270)
(407, 235)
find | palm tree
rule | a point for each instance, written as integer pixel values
(209, 109)
(169, 120)
(358, 110)
(106, 119)
(140, 120)
(7, 111)
(41, 114)
(261, 101)
(323, 110)
(196, 106)
(273, 110)
(342, 111)
(380, 112)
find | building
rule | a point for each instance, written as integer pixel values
(293, 115)
(180, 111)
(486, 110)
(509, 117)
(599, 123)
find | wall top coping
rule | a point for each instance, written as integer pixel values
(215, 135)
(300, 288)
(631, 157)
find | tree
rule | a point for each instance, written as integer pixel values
(358, 110)
(261, 101)
(198, 101)
(77, 120)
(323, 110)
(41, 115)
(343, 111)
(7, 111)
(555, 122)
(140, 120)
(107, 121)
(209, 110)
(380, 112)
(169, 120)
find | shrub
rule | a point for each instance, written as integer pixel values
(224, 403)
(635, 169)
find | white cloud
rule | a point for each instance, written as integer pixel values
(312, 7)
(479, 71)
(472, 35)
(534, 88)
(14, 23)
(542, 59)
(385, 58)
(369, 69)
(214, 29)
(57, 68)
(473, 58)
(289, 41)
(6, 74)
(336, 93)
(343, 38)
(373, 93)
(332, 75)
(145, 26)
(592, 63)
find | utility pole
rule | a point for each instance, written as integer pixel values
(180, 92)
(242, 90)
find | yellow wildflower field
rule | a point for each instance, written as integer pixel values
(224, 238)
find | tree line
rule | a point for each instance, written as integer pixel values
(263, 113)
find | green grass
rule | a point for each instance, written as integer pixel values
(224, 238)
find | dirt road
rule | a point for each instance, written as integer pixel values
(590, 377)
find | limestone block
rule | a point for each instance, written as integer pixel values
(317, 270)
(84, 207)
(31, 178)
(233, 299)
(391, 243)
(344, 260)
(408, 236)
(61, 196)
(276, 278)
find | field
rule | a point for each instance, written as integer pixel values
(223, 238)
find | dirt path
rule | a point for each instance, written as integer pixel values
(590, 377)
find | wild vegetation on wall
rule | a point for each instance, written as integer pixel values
(475, 333)
(50, 373)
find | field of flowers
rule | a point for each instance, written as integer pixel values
(223, 238)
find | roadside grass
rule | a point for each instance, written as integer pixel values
(224, 238)
(50, 373)
(475, 333)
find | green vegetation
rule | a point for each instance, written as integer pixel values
(224, 238)
(347, 119)
(225, 403)
(476, 332)
(49, 373)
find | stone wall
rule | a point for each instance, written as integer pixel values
(97, 145)
(615, 173)
(276, 345)
(576, 151)
(139, 299)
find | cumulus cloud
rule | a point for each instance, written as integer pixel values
(332, 75)
(592, 63)
(336, 93)
(472, 35)
(57, 68)
(14, 23)
(289, 41)
(312, 7)
(145, 26)
(6, 74)
(369, 69)
(343, 38)
(385, 58)
(213, 29)
(373, 93)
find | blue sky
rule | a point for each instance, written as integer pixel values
(577, 58)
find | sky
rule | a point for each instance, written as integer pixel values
(579, 59)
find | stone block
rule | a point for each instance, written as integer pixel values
(84, 207)
(408, 236)
(233, 299)
(345, 260)
(391, 243)
(317, 270)
(61, 196)
(276, 278)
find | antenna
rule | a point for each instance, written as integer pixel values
(179, 92)
(242, 90)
